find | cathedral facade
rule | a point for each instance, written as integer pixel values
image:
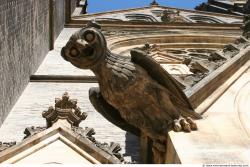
(207, 54)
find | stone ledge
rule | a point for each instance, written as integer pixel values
(222, 137)
(63, 78)
(203, 89)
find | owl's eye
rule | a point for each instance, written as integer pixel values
(89, 36)
(74, 52)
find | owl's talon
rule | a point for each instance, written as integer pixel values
(177, 126)
(185, 125)
(193, 125)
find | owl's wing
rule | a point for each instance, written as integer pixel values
(109, 112)
(160, 75)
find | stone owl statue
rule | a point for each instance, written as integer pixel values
(135, 93)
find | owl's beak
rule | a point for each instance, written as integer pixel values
(81, 43)
(87, 40)
(84, 47)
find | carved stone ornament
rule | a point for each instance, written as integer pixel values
(135, 93)
(30, 131)
(113, 148)
(130, 84)
(6, 145)
(201, 62)
(171, 16)
(67, 112)
(65, 109)
(154, 3)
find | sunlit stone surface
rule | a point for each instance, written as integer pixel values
(54, 64)
(177, 69)
(39, 96)
(223, 134)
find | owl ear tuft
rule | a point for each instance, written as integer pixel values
(93, 24)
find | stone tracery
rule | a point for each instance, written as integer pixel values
(135, 17)
(157, 13)
(191, 62)
(204, 19)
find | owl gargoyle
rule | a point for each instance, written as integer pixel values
(135, 93)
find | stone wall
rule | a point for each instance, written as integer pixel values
(58, 17)
(24, 36)
(61, 10)
(73, 5)
(70, 5)
(28, 29)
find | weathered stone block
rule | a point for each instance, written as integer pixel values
(24, 36)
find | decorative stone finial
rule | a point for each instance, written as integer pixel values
(65, 109)
(154, 3)
(170, 16)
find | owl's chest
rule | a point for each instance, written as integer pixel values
(117, 87)
(125, 94)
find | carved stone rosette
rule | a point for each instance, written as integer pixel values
(171, 16)
(65, 109)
